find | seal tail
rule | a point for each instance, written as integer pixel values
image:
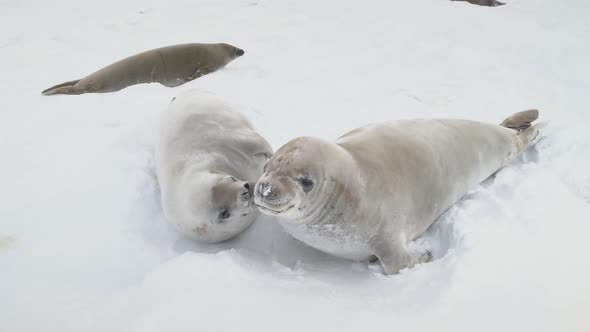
(65, 88)
(521, 120)
(525, 131)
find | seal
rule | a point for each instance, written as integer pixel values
(208, 158)
(375, 189)
(170, 66)
(487, 3)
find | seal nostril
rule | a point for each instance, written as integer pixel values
(240, 52)
(247, 185)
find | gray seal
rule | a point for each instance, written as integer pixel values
(375, 189)
(487, 3)
(170, 66)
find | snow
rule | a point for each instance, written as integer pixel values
(84, 245)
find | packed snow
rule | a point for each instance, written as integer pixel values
(83, 242)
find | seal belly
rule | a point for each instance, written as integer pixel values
(329, 239)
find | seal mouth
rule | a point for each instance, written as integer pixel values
(273, 211)
(247, 197)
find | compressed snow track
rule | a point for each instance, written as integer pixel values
(84, 245)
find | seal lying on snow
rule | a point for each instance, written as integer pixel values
(380, 186)
(488, 3)
(170, 66)
(208, 159)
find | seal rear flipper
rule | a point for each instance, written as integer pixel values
(521, 120)
(65, 88)
(527, 137)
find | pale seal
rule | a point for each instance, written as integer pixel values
(379, 187)
(208, 159)
(170, 66)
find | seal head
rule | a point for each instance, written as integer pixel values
(218, 207)
(291, 183)
(310, 184)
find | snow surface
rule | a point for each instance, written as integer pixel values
(84, 245)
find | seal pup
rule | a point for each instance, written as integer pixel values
(170, 66)
(208, 158)
(378, 187)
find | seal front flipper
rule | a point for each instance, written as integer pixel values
(395, 256)
(65, 88)
(203, 70)
(258, 146)
(173, 83)
(265, 155)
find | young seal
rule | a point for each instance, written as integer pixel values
(170, 66)
(208, 159)
(380, 186)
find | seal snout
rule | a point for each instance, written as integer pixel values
(272, 196)
(247, 192)
(239, 52)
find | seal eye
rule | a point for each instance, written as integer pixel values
(233, 179)
(224, 214)
(306, 184)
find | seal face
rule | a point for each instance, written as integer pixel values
(379, 187)
(313, 199)
(208, 159)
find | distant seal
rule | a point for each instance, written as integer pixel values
(170, 66)
(379, 187)
(208, 159)
(487, 3)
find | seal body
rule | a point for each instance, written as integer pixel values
(487, 3)
(208, 158)
(379, 187)
(170, 66)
